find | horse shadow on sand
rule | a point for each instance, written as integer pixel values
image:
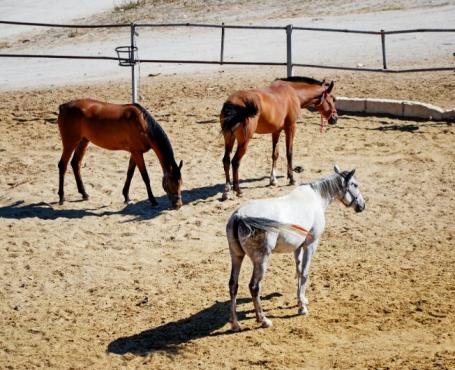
(170, 336)
(137, 210)
(140, 210)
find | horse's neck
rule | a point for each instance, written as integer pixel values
(165, 160)
(328, 188)
(159, 142)
(307, 93)
(163, 149)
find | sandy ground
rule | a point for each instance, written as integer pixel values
(98, 284)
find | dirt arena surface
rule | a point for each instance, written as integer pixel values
(98, 284)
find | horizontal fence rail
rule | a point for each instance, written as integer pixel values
(211, 25)
(15, 23)
(129, 56)
(99, 57)
(52, 56)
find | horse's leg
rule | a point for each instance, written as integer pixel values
(76, 165)
(240, 152)
(68, 148)
(290, 133)
(298, 256)
(233, 287)
(229, 140)
(305, 272)
(259, 269)
(139, 159)
(237, 255)
(129, 176)
(275, 154)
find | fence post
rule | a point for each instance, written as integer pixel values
(289, 49)
(134, 87)
(222, 44)
(384, 59)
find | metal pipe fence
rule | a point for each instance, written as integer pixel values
(128, 56)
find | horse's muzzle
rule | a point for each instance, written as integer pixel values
(176, 201)
(359, 208)
(332, 120)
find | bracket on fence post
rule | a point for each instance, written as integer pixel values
(134, 75)
(384, 59)
(289, 49)
(222, 44)
(127, 58)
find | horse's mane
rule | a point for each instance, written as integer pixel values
(307, 80)
(329, 186)
(158, 134)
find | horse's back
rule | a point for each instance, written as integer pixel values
(299, 209)
(277, 105)
(108, 125)
(94, 109)
(299, 205)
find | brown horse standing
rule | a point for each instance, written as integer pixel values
(270, 111)
(116, 127)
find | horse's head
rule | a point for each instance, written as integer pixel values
(350, 196)
(326, 104)
(172, 185)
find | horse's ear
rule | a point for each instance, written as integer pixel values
(323, 82)
(180, 165)
(349, 176)
(337, 169)
(330, 87)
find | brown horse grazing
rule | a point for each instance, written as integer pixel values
(270, 111)
(116, 127)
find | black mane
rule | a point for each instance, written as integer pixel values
(307, 80)
(159, 135)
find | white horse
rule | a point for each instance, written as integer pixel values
(291, 223)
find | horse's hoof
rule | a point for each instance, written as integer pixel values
(266, 323)
(303, 310)
(224, 197)
(85, 196)
(235, 328)
(273, 182)
(291, 182)
(237, 190)
(61, 202)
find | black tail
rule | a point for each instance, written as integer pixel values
(245, 226)
(234, 114)
(236, 229)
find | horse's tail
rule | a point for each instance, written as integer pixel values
(66, 110)
(62, 115)
(245, 226)
(233, 115)
(61, 110)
